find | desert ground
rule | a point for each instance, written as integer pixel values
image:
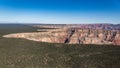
(24, 53)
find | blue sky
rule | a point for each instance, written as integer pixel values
(60, 11)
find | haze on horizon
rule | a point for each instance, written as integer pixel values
(60, 11)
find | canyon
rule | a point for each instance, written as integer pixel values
(71, 35)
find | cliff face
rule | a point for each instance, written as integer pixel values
(72, 36)
(86, 36)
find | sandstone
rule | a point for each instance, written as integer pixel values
(72, 36)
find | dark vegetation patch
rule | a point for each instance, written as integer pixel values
(21, 53)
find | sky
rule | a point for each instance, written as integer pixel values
(60, 11)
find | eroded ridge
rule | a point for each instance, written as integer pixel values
(72, 36)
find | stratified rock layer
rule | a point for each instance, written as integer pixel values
(72, 36)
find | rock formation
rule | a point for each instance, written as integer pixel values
(83, 26)
(72, 36)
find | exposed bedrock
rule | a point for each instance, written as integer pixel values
(72, 36)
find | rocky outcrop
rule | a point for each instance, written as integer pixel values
(72, 36)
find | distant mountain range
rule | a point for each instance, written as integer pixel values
(105, 26)
(85, 26)
(102, 26)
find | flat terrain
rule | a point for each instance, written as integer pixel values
(22, 53)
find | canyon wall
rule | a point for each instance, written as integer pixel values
(72, 36)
